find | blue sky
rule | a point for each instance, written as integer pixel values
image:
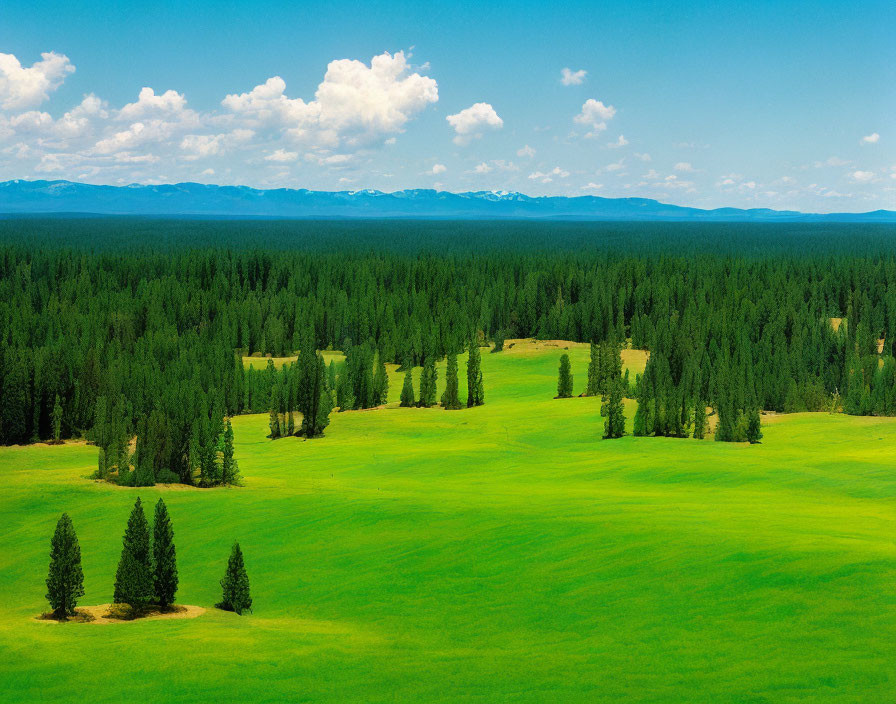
(777, 104)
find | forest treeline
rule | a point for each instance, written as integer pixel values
(109, 333)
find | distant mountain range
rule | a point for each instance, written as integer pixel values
(195, 199)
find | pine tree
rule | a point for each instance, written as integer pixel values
(57, 420)
(593, 388)
(564, 379)
(65, 581)
(428, 380)
(475, 391)
(380, 382)
(499, 341)
(235, 585)
(639, 424)
(699, 420)
(164, 557)
(754, 427)
(274, 419)
(614, 425)
(331, 376)
(230, 471)
(407, 389)
(451, 399)
(133, 579)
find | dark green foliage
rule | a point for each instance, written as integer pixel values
(593, 387)
(498, 338)
(564, 378)
(614, 412)
(230, 471)
(235, 585)
(475, 390)
(407, 389)
(57, 420)
(164, 557)
(134, 577)
(451, 398)
(754, 427)
(700, 420)
(137, 325)
(65, 581)
(428, 379)
(639, 423)
(380, 382)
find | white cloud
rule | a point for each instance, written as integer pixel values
(22, 87)
(526, 152)
(482, 168)
(615, 166)
(831, 161)
(621, 141)
(642, 157)
(549, 176)
(354, 104)
(595, 115)
(569, 77)
(862, 176)
(591, 186)
(683, 166)
(148, 103)
(281, 156)
(872, 138)
(438, 169)
(470, 122)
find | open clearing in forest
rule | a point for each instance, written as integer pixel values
(503, 553)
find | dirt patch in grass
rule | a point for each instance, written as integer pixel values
(118, 613)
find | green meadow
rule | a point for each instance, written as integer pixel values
(503, 553)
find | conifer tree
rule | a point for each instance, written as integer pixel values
(428, 380)
(65, 581)
(475, 391)
(101, 471)
(164, 557)
(451, 399)
(230, 471)
(564, 378)
(699, 420)
(235, 585)
(331, 376)
(499, 341)
(754, 427)
(133, 579)
(593, 388)
(614, 425)
(639, 424)
(57, 420)
(380, 382)
(407, 389)
(274, 420)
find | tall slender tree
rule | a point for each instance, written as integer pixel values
(593, 388)
(475, 390)
(57, 420)
(699, 420)
(613, 412)
(65, 581)
(230, 470)
(407, 389)
(428, 379)
(451, 399)
(164, 557)
(133, 579)
(564, 378)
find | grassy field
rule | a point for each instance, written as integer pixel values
(503, 553)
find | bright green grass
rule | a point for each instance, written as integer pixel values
(504, 553)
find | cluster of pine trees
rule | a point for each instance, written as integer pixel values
(451, 396)
(147, 569)
(112, 329)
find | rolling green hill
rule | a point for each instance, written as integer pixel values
(503, 553)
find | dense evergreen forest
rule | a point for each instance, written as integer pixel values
(115, 328)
